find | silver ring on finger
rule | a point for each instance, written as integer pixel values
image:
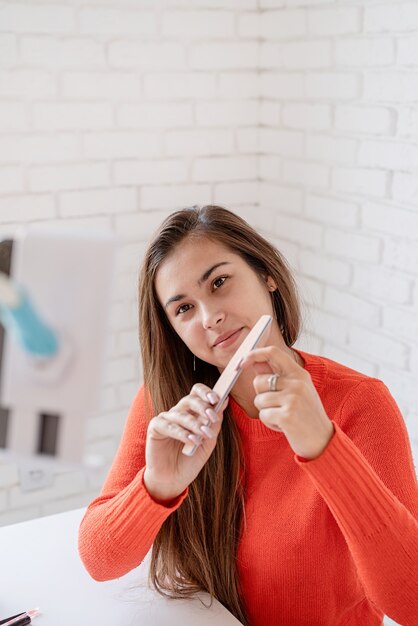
(272, 382)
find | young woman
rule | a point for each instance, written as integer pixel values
(299, 505)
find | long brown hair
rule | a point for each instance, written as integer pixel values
(196, 547)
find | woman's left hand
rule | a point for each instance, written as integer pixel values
(295, 407)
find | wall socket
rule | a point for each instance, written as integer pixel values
(33, 477)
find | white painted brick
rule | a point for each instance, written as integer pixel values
(331, 149)
(309, 342)
(405, 187)
(195, 142)
(127, 391)
(307, 54)
(29, 84)
(108, 401)
(391, 86)
(26, 208)
(72, 116)
(289, 143)
(249, 25)
(375, 345)
(332, 85)
(330, 210)
(67, 504)
(283, 24)
(391, 17)
(139, 226)
(350, 359)
(408, 51)
(413, 361)
(95, 85)
(175, 85)
(210, 4)
(11, 180)
(119, 370)
(408, 122)
(32, 18)
(351, 307)
(128, 342)
(365, 52)
(19, 515)
(198, 24)
(281, 198)
(400, 254)
(8, 475)
(307, 174)
(121, 145)
(122, 316)
(328, 325)
(242, 192)
(97, 202)
(352, 245)
(223, 169)
(238, 85)
(289, 250)
(390, 220)
(269, 113)
(76, 176)
(157, 115)
(128, 256)
(95, 224)
(12, 117)
(125, 289)
(325, 268)
(248, 140)
(110, 21)
(307, 116)
(149, 171)
(62, 53)
(311, 291)
(359, 119)
(334, 22)
(269, 168)
(8, 49)
(148, 55)
(272, 55)
(298, 230)
(3, 507)
(174, 197)
(224, 113)
(290, 86)
(391, 155)
(109, 424)
(401, 323)
(26, 148)
(381, 284)
(268, 4)
(365, 182)
(224, 56)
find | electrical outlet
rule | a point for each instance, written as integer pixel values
(34, 477)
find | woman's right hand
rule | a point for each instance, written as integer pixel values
(191, 421)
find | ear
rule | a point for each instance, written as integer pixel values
(271, 285)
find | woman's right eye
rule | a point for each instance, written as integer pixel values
(183, 309)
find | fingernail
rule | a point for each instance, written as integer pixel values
(207, 432)
(212, 397)
(195, 439)
(212, 415)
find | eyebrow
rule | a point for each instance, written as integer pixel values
(201, 280)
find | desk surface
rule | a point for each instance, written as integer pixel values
(40, 567)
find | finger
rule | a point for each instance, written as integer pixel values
(262, 384)
(205, 393)
(160, 428)
(270, 399)
(194, 404)
(278, 360)
(194, 425)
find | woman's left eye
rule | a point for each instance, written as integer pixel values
(218, 282)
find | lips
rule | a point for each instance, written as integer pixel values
(225, 336)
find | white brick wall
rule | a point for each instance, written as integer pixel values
(300, 114)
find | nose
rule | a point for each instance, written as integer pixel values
(211, 318)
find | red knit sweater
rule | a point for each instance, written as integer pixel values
(331, 541)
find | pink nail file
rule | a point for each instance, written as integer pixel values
(231, 374)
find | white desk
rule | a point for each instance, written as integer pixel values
(40, 567)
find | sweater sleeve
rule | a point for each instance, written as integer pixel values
(366, 476)
(120, 525)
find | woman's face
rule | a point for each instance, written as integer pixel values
(213, 298)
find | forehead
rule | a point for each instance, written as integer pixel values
(189, 260)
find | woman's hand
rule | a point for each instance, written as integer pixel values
(191, 421)
(295, 407)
